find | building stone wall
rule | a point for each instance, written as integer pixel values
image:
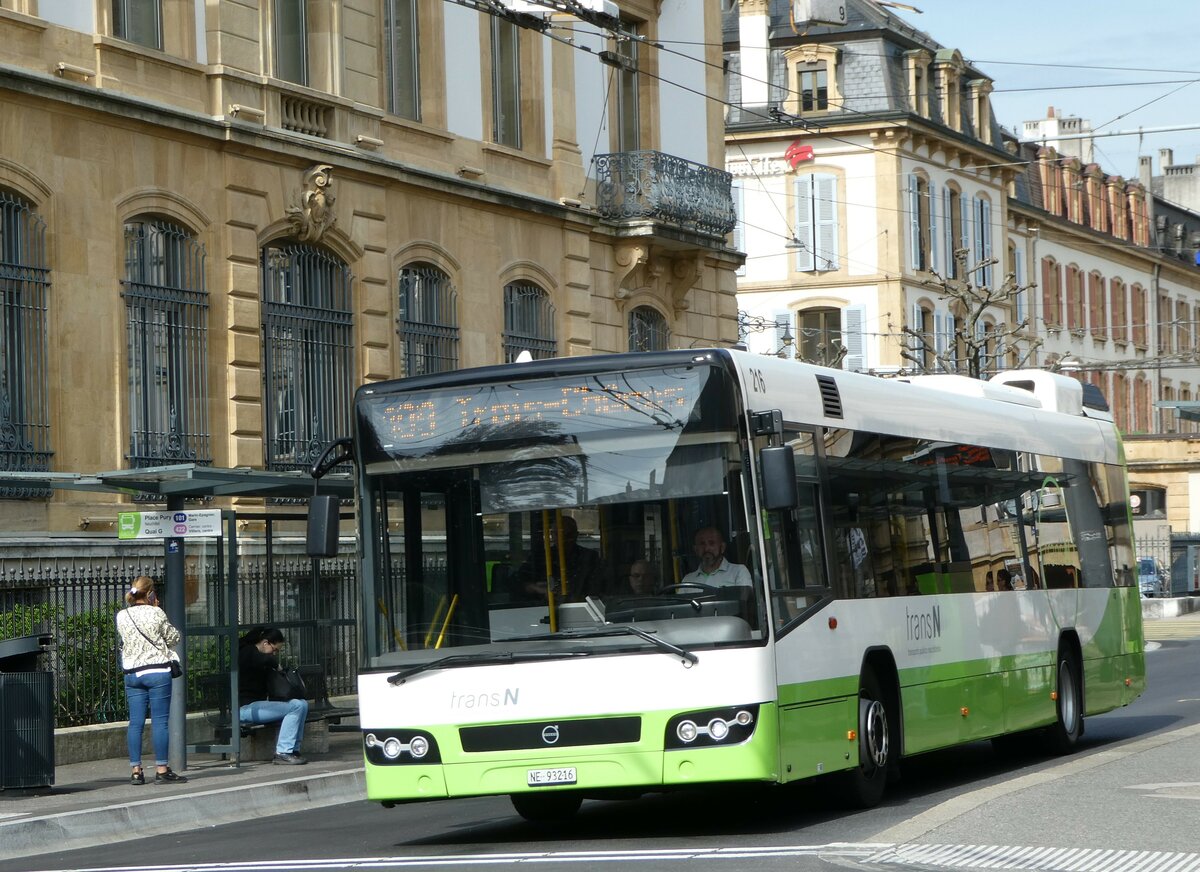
(123, 130)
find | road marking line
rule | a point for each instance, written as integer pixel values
(837, 849)
(1041, 859)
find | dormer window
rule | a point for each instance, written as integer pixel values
(814, 87)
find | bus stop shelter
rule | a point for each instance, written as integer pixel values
(176, 485)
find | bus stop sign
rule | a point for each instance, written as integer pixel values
(168, 525)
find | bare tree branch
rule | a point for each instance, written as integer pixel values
(976, 337)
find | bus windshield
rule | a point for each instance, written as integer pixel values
(551, 510)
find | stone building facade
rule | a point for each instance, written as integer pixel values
(219, 217)
(865, 155)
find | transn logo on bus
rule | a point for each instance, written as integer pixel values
(923, 625)
(494, 699)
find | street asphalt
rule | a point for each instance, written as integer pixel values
(94, 803)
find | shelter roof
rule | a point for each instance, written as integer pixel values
(186, 480)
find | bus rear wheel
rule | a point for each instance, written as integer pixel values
(1063, 735)
(864, 785)
(547, 807)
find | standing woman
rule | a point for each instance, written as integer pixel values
(147, 638)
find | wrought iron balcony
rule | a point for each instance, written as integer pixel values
(650, 185)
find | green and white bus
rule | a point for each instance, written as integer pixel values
(930, 562)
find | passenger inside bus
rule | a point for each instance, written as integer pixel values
(642, 580)
(585, 572)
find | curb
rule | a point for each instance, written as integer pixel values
(67, 831)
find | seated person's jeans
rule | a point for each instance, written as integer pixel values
(292, 713)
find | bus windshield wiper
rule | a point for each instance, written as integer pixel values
(455, 660)
(616, 630)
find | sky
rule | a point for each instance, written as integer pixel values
(1138, 61)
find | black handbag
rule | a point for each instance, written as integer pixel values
(285, 684)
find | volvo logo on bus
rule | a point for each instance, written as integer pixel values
(550, 734)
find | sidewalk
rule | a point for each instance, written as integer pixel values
(93, 803)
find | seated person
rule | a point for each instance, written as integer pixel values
(258, 654)
(714, 570)
(641, 580)
(585, 571)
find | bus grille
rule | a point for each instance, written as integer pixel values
(551, 734)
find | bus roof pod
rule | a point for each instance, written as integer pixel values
(1059, 393)
(973, 387)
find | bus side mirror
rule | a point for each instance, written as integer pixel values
(322, 537)
(778, 467)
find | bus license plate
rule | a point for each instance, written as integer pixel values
(542, 777)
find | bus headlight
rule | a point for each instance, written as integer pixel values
(398, 747)
(723, 726)
(686, 731)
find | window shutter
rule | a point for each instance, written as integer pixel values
(783, 325)
(805, 259)
(1047, 292)
(933, 228)
(1019, 273)
(918, 327)
(977, 238)
(964, 209)
(940, 338)
(914, 224)
(985, 237)
(826, 209)
(853, 318)
(948, 231)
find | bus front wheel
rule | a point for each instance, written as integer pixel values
(863, 785)
(1063, 735)
(546, 807)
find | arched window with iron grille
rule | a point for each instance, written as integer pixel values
(428, 324)
(308, 361)
(166, 316)
(648, 330)
(528, 322)
(24, 388)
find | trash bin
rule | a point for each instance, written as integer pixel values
(26, 714)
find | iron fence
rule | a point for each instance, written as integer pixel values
(75, 599)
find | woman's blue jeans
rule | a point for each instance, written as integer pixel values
(292, 713)
(150, 691)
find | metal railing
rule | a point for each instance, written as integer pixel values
(642, 185)
(75, 599)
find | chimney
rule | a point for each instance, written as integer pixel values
(1166, 158)
(1145, 170)
(753, 33)
(1050, 112)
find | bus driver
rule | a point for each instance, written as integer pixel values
(714, 570)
